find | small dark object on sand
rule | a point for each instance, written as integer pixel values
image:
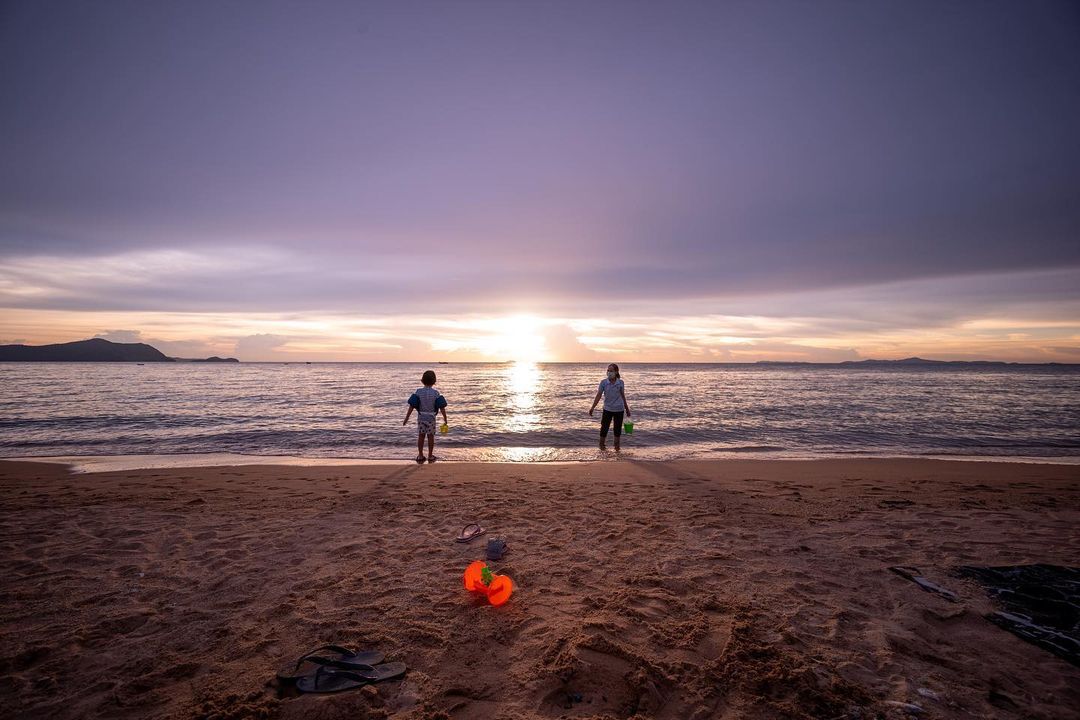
(496, 548)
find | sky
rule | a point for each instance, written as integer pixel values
(579, 181)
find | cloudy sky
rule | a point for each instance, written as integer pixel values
(543, 180)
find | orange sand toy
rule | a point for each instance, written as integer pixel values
(479, 578)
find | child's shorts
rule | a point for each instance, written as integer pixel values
(425, 424)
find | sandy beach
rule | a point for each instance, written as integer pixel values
(723, 589)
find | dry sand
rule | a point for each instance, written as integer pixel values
(728, 589)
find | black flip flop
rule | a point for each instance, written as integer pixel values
(331, 679)
(346, 659)
(466, 534)
(420, 459)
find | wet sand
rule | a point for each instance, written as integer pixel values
(724, 589)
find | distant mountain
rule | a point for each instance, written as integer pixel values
(95, 350)
(911, 361)
(905, 361)
(921, 361)
(214, 358)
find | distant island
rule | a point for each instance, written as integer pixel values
(213, 358)
(913, 361)
(95, 350)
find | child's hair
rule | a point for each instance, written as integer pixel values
(617, 375)
(428, 378)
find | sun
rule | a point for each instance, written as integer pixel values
(519, 338)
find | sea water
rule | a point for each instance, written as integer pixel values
(536, 412)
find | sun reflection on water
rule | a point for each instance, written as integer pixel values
(523, 381)
(524, 454)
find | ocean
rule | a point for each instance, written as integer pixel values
(539, 412)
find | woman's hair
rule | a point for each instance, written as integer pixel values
(617, 375)
(428, 378)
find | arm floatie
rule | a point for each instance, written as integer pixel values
(440, 402)
(414, 402)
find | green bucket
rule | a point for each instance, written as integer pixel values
(628, 428)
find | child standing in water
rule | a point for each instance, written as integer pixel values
(611, 388)
(426, 401)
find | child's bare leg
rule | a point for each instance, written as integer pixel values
(431, 445)
(420, 447)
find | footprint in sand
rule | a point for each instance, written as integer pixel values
(650, 607)
(601, 678)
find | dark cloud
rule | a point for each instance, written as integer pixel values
(299, 284)
(560, 151)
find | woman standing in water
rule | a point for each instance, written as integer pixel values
(611, 388)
